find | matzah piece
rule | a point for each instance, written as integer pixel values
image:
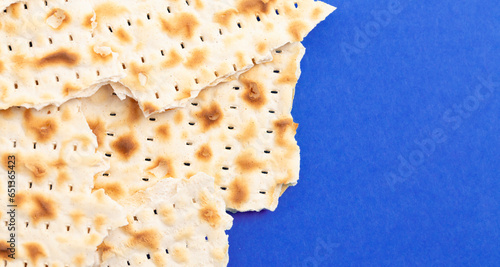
(177, 222)
(5, 3)
(173, 49)
(48, 55)
(52, 156)
(240, 132)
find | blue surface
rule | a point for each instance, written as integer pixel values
(368, 194)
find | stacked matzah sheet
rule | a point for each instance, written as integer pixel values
(129, 127)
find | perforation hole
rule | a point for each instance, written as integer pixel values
(47, 225)
(253, 61)
(98, 73)
(239, 25)
(36, 82)
(271, 111)
(147, 159)
(110, 29)
(236, 88)
(230, 127)
(25, 6)
(206, 238)
(145, 179)
(112, 114)
(157, 95)
(234, 67)
(10, 48)
(276, 71)
(110, 134)
(225, 168)
(34, 145)
(168, 9)
(269, 131)
(191, 123)
(189, 144)
(128, 263)
(46, 4)
(70, 188)
(274, 92)
(182, 45)
(67, 228)
(57, 78)
(155, 212)
(135, 219)
(232, 107)
(54, 146)
(262, 192)
(216, 74)
(27, 224)
(30, 185)
(105, 174)
(16, 86)
(220, 31)
(142, 60)
(278, 51)
(194, 104)
(258, 18)
(277, 12)
(152, 119)
(187, 164)
(150, 139)
(75, 147)
(148, 16)
(50, 40)
(77, 75)
(264, 172)
(228, 148)
(223, 188)
(31, 44)
(166, 251)
(50, 186)
(176, 88)
(267, 151)
(296, 5)
(123, 66)
(71, 38)
(108, 155)
(128, 22)
(196, 80)
(187, 3)
(88, 230)
(162, 53)
(201, 38)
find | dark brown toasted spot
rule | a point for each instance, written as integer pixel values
(224, 17)
(210, 116)
(123, 35)
(34, 251)
(15, 10)
(317, 11)
(60, 14)
(209, 214)
(107, 11)
(163, 132)
(181, 25)
(104, 250)
(174, 59)
(253, 94)
(38, 170)
(204, 153)
(125, 145)
(178, 116)
(113, 190)
(238, 192)
(98, 128)
(43, 208)
(197, 58)
(69, 89)
(281, 127)
(252, 7)
(61, 57)
(41, 129)
(248, 133)
(297, 29)
(149, 239)
(149, 108)
(4, 252)
(62, 177)
(262, 47)
(87, 22)
(134, 112)
(20, 199)
(246, 162)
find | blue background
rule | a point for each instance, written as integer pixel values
(368, 194)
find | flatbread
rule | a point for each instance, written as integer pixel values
(177, 222)
(59, 220)
(173, 49)
(240, 132)
(48, 55)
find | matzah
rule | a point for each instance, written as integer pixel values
(177, 222)
(51, 155)
(240, 132)
(48, 56)
(173, 49)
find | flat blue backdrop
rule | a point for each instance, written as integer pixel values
(400, 142)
